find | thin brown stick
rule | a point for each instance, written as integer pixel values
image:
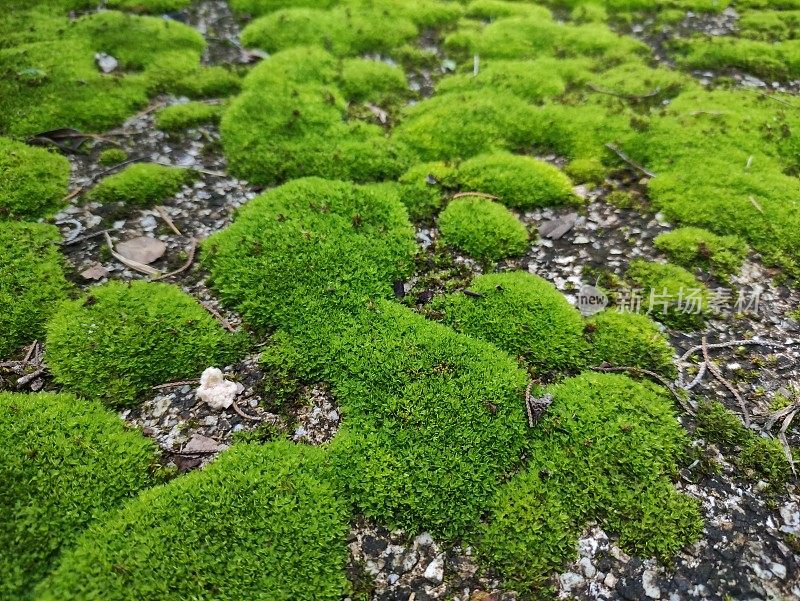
(199, 170)
(30, 377)
(776, 99)
(478, 194)
(224, 322)
(659, 378)
(168, 220)
(176, 384)
(186, 265)
(244, 415)
(531, 422)
(718, 375)
(634, 97)
(86, 237)
(626, 159)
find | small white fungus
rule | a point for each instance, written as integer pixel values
(215, 390)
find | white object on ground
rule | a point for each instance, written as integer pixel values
(215, 390)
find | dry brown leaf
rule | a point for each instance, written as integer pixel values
(95, 272)
(142, 250)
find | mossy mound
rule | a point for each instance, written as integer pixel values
(669, 293)
(112, 156)
(190, 114)
(605, 450)
(485, 230)
(289, 122)
(194, 538)
(423, 188)
(693, 247)
(307, 245)
(63, 461)
(522, 314)
(33, 181)
(52, 81)
(142, 185)
(769, 60)
(770, 25)
(122, 339)
(148, 6)
(364, 80)
(32, 282)
(625, 339)
(207, 82)
(518, 181)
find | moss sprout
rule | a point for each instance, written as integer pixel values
(111, 156)
(694, 247)
(182, 116)
(121, 339)
(141, 185)
(64, 462)
(31, 282)
(33, 181)
(363, 80)
(483, 229)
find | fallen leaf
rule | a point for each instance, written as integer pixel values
(142, 250)
(140, 267)
(201, 444)
(95, 272)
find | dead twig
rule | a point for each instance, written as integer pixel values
(168, 220)
(241, 413)
(198, 169)
(176, 384)
(528, 404)
(626, 159)
(478, 194)
(186, 265)
(30, 377)
(776, 99)
(136, 265)
(718, 375)
(634, 97)
(224, 322)
(86, 237)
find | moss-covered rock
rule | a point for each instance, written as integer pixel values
(483, 229)
(669, 293)
(693, 247)
(364, 80)
(605, 450)
(121, 339)
(182, 116)
(522, 314)
(63, 461)
(625, 339)
(142, 185)
(520, 182)
(31, 282)
(308, 245)
(33, 181)
(182, 540)
(423, 188)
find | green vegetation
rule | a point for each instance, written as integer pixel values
(148, 6)
(624, 339)
(770, 25)
(695, 247)
(183, 540)
(522, 314)
(112, 156)
(182, 116)
(63, 461)
(423, 188)
(605, 450)
(483, 229)
(308, 245)
(372, 81)
(771, 60)
(142, 185)
(757, 457)
(122, 339)
(207, 82)
(670, 293)
(518, 181)
(31, 282)
(33, 181)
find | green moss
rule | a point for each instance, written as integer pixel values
(586, 171)
(589, 12)
(770, 25)
(207, 82)
(182, 116)
(64, 461)
(423, 188)
(122, 339)
(111, 156)
(31, 282)
(262, 7)
(307, 245)
(624, 339)
(365, 80)
(517, 181)
(772, 60)
(483, 229)
(490, 10)
(605, 450)
(670, 293)
(757, 457)
(33, 181)
(522, 314)
(148, 6)
(141, 185)
(695, 247)
(181, 540)
(301, 130)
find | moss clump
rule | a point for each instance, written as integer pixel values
(586, 171)
(485, 230)
(772, 60)
(148, 6)
(207, 82)
(111, 156)
(308, 245)
(64, 461)
(770, 25)
(142, 185)
(695, 247)
(670, 293)
(423, 188)
(757, 457)
(302, 130)
(518, 181)
(190, 114)
(31, 282)
(490, 10)
(122, 339)
(365, 80)
(605, 450)
(180, 541)
(33, 181)
(625, 339)
(522, 314)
